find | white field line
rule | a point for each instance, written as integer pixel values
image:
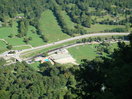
(4, 41)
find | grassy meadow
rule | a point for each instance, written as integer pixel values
(68, 21)
(36, 40)
(87, 51)
(2, 46)
(100, 28)
(50, 27)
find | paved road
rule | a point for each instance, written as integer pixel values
(18, 53)
(28, 60)
(71, 39)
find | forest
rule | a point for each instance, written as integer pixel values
(20, 81)
(84, 13)
(100, 78)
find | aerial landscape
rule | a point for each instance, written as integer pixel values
(65, 49)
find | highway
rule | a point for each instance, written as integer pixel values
(18, 53)
(71, 39)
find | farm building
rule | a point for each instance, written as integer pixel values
(62, 56)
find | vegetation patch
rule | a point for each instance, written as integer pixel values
(6, 31)
(2, 46)
(50, 27)
(68, 21)
(21, 48)
(35, 39)
(88, 51)
(102, 28)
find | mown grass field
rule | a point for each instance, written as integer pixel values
(100, 28)
(2, 46)
(87, 51)
(96, 27)
(20, 48)
(50, 27)
(15, 41)
(67, 20)
(36, 40)
(6, 31)
(99, 19)
(83, 52)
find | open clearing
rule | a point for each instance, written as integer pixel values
(6, 31)
(101, 28)
(50, 27)
(108, 17)
(2, 47)
(41, 49)
(86, 51)
(36, 40)
(68, 21)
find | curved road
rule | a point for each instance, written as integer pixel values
(71, 39)
(25, 51)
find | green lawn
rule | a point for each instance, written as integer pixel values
(6, 31)
(99, 27)
(2, 46)
(99, 19)
(83, 52)
(36, 40)
(50, 27)
(20, 48)
(15, 41)
(68, 21)
(87, 51)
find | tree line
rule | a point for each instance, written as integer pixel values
(101, 78)
(21, 81)
(79, 11)
(106, 78)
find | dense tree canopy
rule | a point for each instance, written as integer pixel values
(20, 81)
(106, 78)
(101, 78)
(80, 12)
